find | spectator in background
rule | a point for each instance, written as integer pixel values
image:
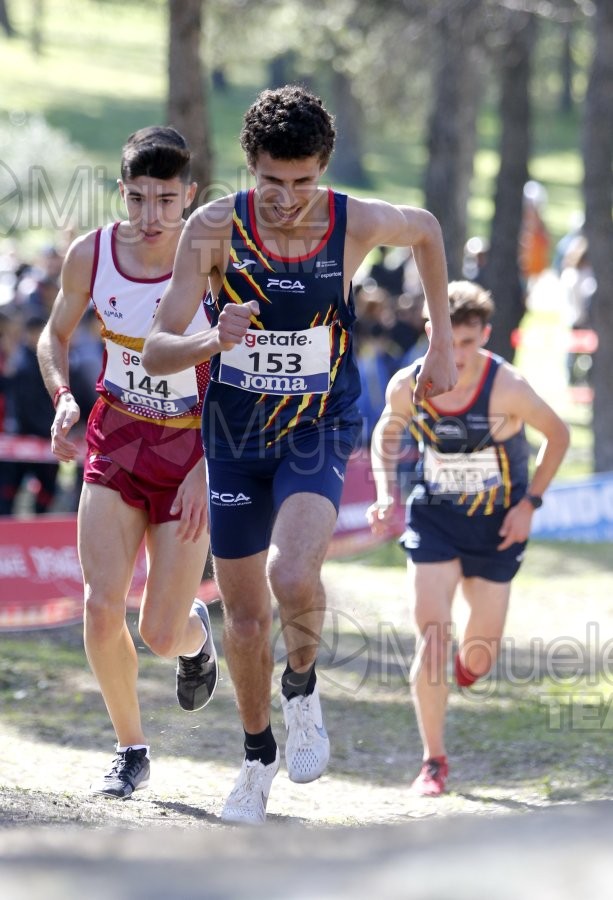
(577, 222)
(9, 343)
(376, 364)
(534, 242)
(409, 329)
(389, 331)
(388, 268)
(39, 300)
(476, 251)
(28, 411)
(578, 282)
(578, 288)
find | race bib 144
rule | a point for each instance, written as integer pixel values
(127, 379)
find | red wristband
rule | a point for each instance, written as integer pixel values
(63, 389)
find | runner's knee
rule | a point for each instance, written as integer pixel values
(104, 617)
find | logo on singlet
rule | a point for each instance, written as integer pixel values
(113, 311)
(244, 264)
(449, 429)
(285, 284)
(226, 498)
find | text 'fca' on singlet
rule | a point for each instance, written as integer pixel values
(126, 307)
(295, 367)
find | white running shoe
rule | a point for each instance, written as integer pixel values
(307, 750)
(246, 804)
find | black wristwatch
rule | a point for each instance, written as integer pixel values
(535, 501)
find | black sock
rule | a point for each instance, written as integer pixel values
(262, 746)
(295, 683)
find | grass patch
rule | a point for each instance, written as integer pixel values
(536, 732)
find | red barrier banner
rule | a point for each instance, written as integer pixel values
(40, 577)
(27, 448)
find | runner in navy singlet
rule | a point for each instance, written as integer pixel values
(469, 514)
(280, 418)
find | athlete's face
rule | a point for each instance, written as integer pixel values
(286, 188)
(468, 339)
(155, 206)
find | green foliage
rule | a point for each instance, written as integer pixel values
(102, 74)
(47, 176)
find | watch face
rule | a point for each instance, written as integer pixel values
(536, 502)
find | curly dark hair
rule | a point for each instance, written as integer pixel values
(288, 123)
(157, 151)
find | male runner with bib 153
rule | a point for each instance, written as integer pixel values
(280, 418)
(469, 514)
(145, 474)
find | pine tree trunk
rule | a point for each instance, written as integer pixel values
(598, 191)
(187, 95)
(347, 165)
(452, 125)
(501, 275)
(5, 20)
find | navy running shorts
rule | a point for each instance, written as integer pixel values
(245, 495)
(436, 532)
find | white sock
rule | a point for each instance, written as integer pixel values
(133, 747)
(192, 655)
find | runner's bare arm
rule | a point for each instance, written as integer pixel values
(52, 351)
(373, 223)
(385, 446)
(522, 401)
(201, 257)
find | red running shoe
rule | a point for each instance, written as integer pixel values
(431, 780)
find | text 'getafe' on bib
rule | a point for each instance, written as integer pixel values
(126, 378)
(279, 362)
(461, 473)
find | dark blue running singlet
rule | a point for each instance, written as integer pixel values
(295, 368)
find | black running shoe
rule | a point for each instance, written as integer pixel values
(197, 675)
(129, 772)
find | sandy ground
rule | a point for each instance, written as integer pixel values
(356, 830)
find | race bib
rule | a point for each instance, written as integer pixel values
(127, 379)
(279, 362)
(461, 473)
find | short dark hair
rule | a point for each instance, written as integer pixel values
(288, 123)
(469, 303)
(157, 151)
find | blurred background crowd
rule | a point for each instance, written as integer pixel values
(28, 288)
(389, 335)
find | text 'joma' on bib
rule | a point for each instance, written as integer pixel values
(279, 362)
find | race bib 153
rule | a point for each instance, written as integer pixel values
(279, 362)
